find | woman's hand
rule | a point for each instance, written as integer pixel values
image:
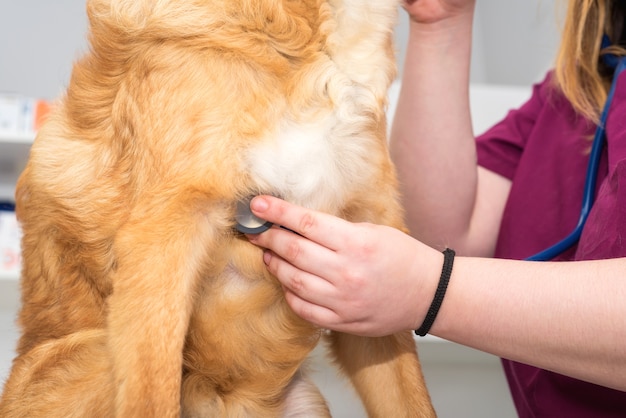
(358, 278)
(431, 11)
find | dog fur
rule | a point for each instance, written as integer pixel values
(139, 299)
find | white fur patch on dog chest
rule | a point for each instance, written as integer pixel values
(309, 164)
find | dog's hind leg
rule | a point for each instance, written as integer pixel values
(385, 372)
(69, 377)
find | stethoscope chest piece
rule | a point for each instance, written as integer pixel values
(247, 222)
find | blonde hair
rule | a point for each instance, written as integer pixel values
(580, 75)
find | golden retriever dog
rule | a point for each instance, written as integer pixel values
(139, 297)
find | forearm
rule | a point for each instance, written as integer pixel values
(569, 317)
(432, 143)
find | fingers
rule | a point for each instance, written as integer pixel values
(296, 253)
(309, 296)
(321, 315)
(301, 283)
(327, 318)
(319, 227)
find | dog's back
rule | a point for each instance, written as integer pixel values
(180, 110)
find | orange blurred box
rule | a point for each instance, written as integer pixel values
(21, 115)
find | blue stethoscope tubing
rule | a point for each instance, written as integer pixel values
(599, 140)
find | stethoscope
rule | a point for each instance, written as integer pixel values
(599, 140)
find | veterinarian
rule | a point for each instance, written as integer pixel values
(559, 325)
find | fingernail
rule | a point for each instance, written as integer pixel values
(267, 257)
(259, 204)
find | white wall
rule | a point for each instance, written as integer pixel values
(515, 42)
(516, 39)
(39, 40)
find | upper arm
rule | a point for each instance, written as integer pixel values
(491, 196)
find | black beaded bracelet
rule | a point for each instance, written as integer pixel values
(446, 271)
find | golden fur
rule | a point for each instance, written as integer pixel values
(138, 297)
